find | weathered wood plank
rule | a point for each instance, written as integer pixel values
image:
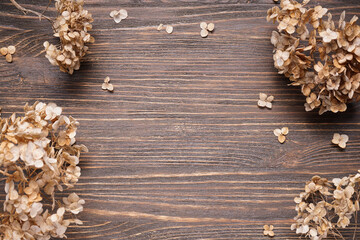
(180, 150)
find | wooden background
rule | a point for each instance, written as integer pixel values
(180, 150)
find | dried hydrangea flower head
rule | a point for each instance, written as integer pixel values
(315, 53)
(268, 230)
(38, 156)
(340, 140)
(326, 205)
(71, 26)
(119, 15)
(265, 100)
(281, 134)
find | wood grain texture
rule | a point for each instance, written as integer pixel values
(180, 150)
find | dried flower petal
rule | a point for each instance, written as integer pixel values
(169, 29)
(4, 51)
(11, 49)
(204, 33)
(277, 132)
(160, 27)
(281, 138)
(284, 131)
(203, 25)
(9, 58)
(123, 13)
(210, 27)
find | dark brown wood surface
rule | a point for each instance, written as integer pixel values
(180, 150)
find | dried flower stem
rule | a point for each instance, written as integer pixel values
(356, 216)
(25, 11)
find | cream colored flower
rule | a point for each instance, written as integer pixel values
(328, 35)
(340, 140)
(268, 230)
(281, 134)
(280, 57)
(107, 85)
(52, 111)
(73, 203)
(265, 101)
(288, 24)
(119, 15)
(312, 102)
(318, 13)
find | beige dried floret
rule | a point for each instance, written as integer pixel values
(268, 230)
(107, 85)
(265, 100)
(340, 140)
(119, 15)
(281, 134)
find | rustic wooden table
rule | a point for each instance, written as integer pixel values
(180, 149)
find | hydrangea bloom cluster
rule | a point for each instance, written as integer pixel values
(71, 26)
(315, 53)
(38, 156)
(326, 205)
